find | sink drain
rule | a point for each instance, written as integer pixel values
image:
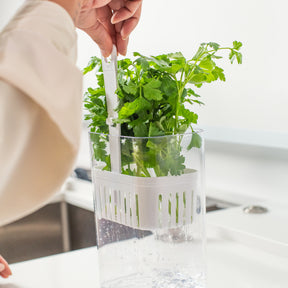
(253, 209)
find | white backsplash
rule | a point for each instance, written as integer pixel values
(247, 170)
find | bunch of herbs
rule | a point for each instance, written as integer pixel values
(155, 96)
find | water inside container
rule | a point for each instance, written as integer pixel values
(158, 279)
(162, 258)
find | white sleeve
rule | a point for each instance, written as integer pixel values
(40, 107)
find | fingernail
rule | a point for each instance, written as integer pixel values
(124, 37)
(2, 267)
(104, 53)
(113, 21)
(123, 53)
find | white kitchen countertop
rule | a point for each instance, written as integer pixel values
(230, 264)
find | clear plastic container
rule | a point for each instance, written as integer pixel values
(150, 211)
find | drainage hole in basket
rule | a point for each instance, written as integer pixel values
(184, 208)
(160, 215)
(137, 210)
(169, 209)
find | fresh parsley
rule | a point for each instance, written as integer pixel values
(155, 95)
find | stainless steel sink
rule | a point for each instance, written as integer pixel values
(33, 236)
(54, 229)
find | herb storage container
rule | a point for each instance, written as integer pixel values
(150, 211)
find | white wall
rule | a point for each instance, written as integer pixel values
(249, 171)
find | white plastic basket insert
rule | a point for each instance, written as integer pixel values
(145, 202)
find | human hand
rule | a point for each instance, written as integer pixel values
(125, 18)
(5, 271)
(109, 22)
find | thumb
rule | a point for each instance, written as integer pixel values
(126, 12)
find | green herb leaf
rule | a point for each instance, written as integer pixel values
(237, 45)
(94, 61)
(196, 141)
(155, 131)
(214, 45)
(130, 88)
(188, 115)
(151, 91)
(131, 108)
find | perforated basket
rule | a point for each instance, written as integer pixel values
(145, 202)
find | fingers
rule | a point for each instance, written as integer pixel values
(100, 35)
(127, 11)
(104, 15)
(129, 15)
(105, 34)
(110, 22)
(5, 274)
(122, 45)
(5, 271)
(130, 24)
(97, 24)
(120, 42)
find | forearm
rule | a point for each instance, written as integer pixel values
(40, 107)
